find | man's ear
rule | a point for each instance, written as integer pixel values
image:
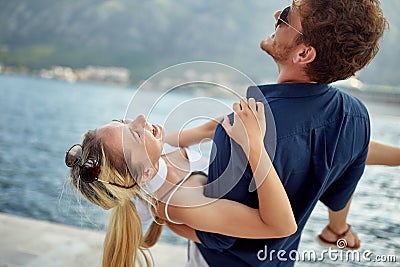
(305, 55)
(148, 174)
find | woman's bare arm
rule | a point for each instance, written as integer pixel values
(184, 231)
(188, 137)
(220, 216)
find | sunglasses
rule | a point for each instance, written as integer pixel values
(283, 17)
(90, 169)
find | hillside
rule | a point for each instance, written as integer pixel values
(146, 36)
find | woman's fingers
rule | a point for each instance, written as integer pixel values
(248, 122)
(243, 102)
(226, 124)
(237, 107)
(243, 108)
(260, 110)
(260, 107)
(244, 105)
(252, 104)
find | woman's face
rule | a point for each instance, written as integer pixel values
(138, 140)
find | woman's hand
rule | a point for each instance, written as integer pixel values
(249, 124)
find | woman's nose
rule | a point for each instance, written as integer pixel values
(140, 120)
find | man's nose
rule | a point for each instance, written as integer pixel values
(277, 14)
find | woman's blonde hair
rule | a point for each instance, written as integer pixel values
(124, 244)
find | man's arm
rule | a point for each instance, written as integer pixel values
(382, 154)
(337, 219)
(378, 154)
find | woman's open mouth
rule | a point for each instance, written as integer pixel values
(156, 130)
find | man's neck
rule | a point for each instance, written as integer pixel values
(293, 76)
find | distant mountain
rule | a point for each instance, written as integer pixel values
(146, 36)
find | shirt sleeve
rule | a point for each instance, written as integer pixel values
(215, 241)
(339, 192)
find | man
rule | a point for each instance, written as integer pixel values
(322, 133)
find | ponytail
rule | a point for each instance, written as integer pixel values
(125, 239)
(152, 234)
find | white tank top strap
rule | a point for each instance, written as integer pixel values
(167, 148)
(170, 197)
(197, 163)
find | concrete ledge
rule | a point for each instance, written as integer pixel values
(28, 242)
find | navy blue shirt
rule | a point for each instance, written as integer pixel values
(317, 137)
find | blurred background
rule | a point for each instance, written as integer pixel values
(70, 66)
(147, 36)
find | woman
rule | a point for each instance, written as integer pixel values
(124, 160)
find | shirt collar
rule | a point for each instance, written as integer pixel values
(287, 90)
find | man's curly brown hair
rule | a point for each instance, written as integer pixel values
(345, 34)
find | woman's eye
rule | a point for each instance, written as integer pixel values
(139, 134)
(120, 120)
(136, 135)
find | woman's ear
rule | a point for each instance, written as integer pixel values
(148, 174)
(305, 55)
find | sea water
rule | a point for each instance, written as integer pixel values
(40, 119)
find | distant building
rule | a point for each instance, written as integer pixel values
(114, 75)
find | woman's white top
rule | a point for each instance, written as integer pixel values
(197, 163)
